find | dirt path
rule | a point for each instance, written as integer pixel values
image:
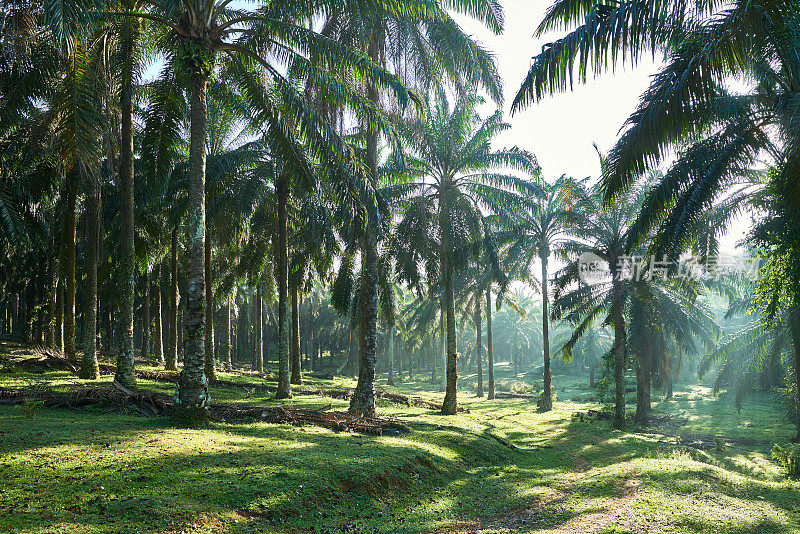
(552, 515)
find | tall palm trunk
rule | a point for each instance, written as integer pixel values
(211, 372)
(69, 296)
(125, 374)
(546, 401)
(58, 328)
(228, 364)
(147, 320)
(296, 372)
(172, 349)
(478, 344)
(489, 348)
(192, 391)
(390, 379)
(284, 389)
(794, 318)
(90, 369)
(450, 404)
(158, 344)
(363, 400)
(258, 352)
(619, 352)
(642, 387)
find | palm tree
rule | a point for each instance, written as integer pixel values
(424, 47)
(604, 237)
(458, 179)
(207, 31)
(688, 108)
(542, 229)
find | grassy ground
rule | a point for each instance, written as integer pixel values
(91, 471)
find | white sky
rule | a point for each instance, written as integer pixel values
(561, 128)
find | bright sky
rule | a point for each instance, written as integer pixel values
(560, 129)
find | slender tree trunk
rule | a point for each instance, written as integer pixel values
(794, 317)
(258, 356)
(489, 348)
(284, 328)
(479, 344)
(619, 352)
(69, 296)
(297, 377)
(450, 404)
(125, 374)
(363, 400)
(147, 321)
(192, 392)
(58, 328)
(211, 372)
(546, 401)
(228, 365)
(90, 369)
(390, 380)
(172, 350)
(591, 377)
(641, 409)
(51, 303)
(411, 365)
(158, 345)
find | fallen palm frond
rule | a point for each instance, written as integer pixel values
(152, 404)
(49, 361)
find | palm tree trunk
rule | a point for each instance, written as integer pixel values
(390, 380)
(125, 374)
(546, 401)
(259, 326)
(58, 328)
(284, 387)
(363, 400)
(478, 344)
(641, 409)
(172, 350)
(411, 365)
(619, 352)
(489, 348)
(69, 296)
(211, 372)
(296, 377)
(158, 345)
(90, 369)
(794, 318)
(450, 404)
(51, 301)
(146, 322)
(192, 391)
(228, 365)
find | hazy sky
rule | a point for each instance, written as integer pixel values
(560, 129)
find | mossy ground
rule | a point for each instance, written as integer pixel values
(91, 471)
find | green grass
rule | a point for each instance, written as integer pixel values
(90, 471)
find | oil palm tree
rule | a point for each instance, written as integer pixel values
(459, 177)
(425, 48)
(205, 33)
(543, 228)
(603, 236)
(688, 107)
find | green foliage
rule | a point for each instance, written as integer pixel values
(788, 456)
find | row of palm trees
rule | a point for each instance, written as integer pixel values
(241, 137)
(283, 142)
